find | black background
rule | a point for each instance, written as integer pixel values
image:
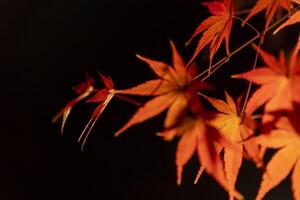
(48, 46)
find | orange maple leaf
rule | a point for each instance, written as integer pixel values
(295, 18)
(174, 88)
(279, 81)
(235, 127)
(216, 28)
(286, 138)
(272, 6)
(84, 89)
(196, 135)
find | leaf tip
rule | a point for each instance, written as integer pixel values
(139, 56)
(171, 42)
(118, 133)
(235, 76)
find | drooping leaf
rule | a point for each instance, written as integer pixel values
(84, 89)
(215, 29)
(278, 82)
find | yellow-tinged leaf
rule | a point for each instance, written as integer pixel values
(236, 129)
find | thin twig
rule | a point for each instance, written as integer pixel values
(248, 24)
(216, 68)
(205, 71)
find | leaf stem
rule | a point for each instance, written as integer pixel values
(127, 99)
(248, 24)
(213, 66)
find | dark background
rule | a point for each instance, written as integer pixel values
(47, 47)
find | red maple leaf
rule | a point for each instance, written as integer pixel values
(215, 29)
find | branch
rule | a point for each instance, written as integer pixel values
(225, 59)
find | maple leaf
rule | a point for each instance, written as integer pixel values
(196, 135)
(215, 28)
(278, 82)
(235, 127)
(84, 89)
(295, 18)
(102, 96)
(272, 6)
(172, 90)
(285, 138)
